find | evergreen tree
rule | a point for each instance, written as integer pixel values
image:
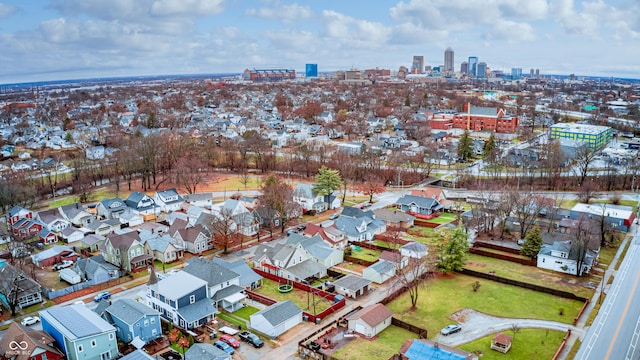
(465, 151)
(532, 243)
(453, 252)
(489, 145)
(327, 181)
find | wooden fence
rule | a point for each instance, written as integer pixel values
(496, 247)
(422, 333)
(358, 261)
(475, 250)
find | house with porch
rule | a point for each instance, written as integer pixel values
(25, 290)
(419, 206)
(287, 261)
(317, 249)
(96, 269)
(76, 214)
(53, 220)
(563, 256)
(244, 220)
(80, 333)
(224, 284)
(17, 213)
(134, 321)
(111, 208)
(193, 239)
(142, 204)
(181, 298)
(162, 247)
(126, 252)
(168, 200)
(358, 225)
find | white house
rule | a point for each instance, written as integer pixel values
(95, 153)
(379, 272)
(414, 250)
(371, 320)
(168, 200)
(310, 200)
(562, 256)
(277, 318)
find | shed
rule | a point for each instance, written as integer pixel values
(352, 286)
(277, 318)
(379, 272)
(371, 320)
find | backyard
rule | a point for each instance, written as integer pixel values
(387, 343)
(440, 297)
(302, 299)
(365, 254)
(527, 344)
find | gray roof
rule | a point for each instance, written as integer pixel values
(160, 243)
(198, 310)
(92, 264)
(279, 312)
(209, 271)
(382, 267)
(354, 212)
(393, 216)
(240, 267)
(51, 252)
(178, 285)
(314, 245)
(130, 311)
(229, 290)
(306, 269)
(414, 246)
(140, 355)
(76, 321)
(204, 351)
(423, 202)
(352, 282)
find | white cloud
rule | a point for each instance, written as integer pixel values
(287, 13)
(510, 31)
(195, 8)
(352, 32)
(6, 10)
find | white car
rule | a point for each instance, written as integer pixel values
(63, 265)
(30, 320)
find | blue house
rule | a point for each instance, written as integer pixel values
(134, 321)
(181, 298)
(418, 204)
(616, 217)
(80, 333)
(423, 349)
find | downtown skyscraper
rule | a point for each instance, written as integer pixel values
(448, 61)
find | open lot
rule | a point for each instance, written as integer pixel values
(365, 254)
(527, 344)
(440, 297)
(384, 345)
(302, 299)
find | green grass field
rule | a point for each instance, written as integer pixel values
(301, 298)
(527, 344)
(386, 344)
(246, 312)
(366, 254)
(441, 297)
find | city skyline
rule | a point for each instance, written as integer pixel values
(71, 39)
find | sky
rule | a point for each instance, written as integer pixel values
(43, 40)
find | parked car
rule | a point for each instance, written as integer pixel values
(30, 320)
(253, 339)
(450, 329)
(63, 265)
(103, 295)
(301, 227)
(291, 231)
(334, 216)
(230, 340)
(224, 347)
(314, 346)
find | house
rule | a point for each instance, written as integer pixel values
(93, 242)
(168, 200)
(223, 284)
(203, 200)
(133, 320)
(162, 248)
(47, 236)
(37, 344)
(25, 290)
(287, 261)
(359, 225)
(103, 227)
(331, 235)
(96, 269)
(181, 298)
(379, 272)
(616, 217)
(204, 351)
(244, 220)
(193, 239)
(371, 320)
(17, 213)
(26, 227)
(53, 220)
(95, 152)
(562, 256)
(418, 205)
(142, 204)
(414, 250)
(71, 234)
(76, 214)
(131, 218)
(396, 258)
(501, 342)
(80, 333)
(352, 286)
(310, 200)
(317, 249)
(126, 252)
(138, 355)
(249, 279)
(276, 319)
(268, 217)
(395, 218)
(111, 208)
(423, 349)
(53, 255)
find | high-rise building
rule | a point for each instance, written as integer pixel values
(516, 73)
(417, 66)
(464, 67)
(537, 73)
(481, 70)
(531, 73)
(311, 70)
(448, 61)
(473, 65)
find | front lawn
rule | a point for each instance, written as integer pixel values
(581, 286)
(386, 344)
(440, 297)
(528, 344)
(302, 299)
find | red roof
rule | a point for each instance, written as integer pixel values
(372, 315)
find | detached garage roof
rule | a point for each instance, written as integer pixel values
(279, 312)
(372, 315)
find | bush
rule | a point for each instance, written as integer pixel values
(476, 286)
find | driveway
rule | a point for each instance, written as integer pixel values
(476, 325)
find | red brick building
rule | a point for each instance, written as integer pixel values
(478, 119)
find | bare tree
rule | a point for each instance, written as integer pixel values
(278, 195)
(10, 279)
(224, 227)
(411, 276)
(584, 157)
